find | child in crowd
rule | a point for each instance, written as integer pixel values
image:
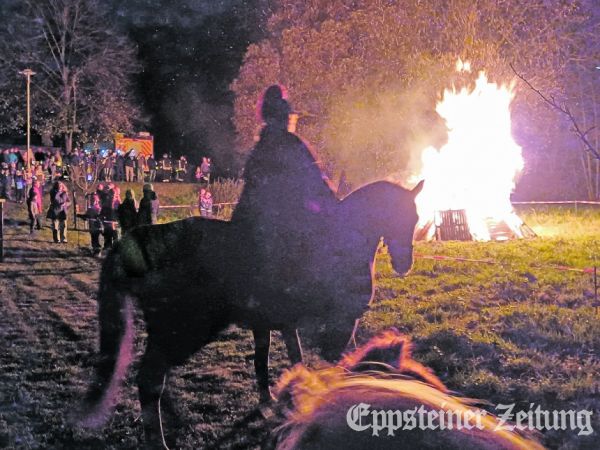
(19, 186)
(94, 223)
(205, 203)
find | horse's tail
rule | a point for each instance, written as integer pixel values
(115, 314)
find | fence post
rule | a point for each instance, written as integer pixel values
(2, 229)
(596, 284)
(75, 210)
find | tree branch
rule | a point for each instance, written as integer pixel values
(564, 109)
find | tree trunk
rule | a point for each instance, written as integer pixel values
(47, 139)
(68, 142)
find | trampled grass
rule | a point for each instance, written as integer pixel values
(511, 330)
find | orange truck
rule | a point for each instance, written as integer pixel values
(142, 143)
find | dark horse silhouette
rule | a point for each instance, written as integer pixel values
(185, 276)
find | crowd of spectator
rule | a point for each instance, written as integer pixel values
(24, 178)
(131, 166)
(107, 214)
(16, 175)
(48, 165)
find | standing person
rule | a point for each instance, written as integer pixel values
(28, 177)
(58, 161)
(4, 182)
(100, 192)
(181, 169)
(12, 169)
(149, 206)
(51, 215)
(151, 169)
(115, 207)
(109, 166)
(94, 223)
(129, 167)
(206, 203)
(19, 186)
(165, 168)
(60, 210)
(198, 175)
(34, 206)
(127, 212)
(141, 168)
(206, 168)
(39, 172)
(108, 214)
(119, 166)
(200, 197)
(52, 168)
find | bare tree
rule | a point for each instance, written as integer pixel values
(83, 65)
(585, 127)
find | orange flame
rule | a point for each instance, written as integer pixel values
(476, 169)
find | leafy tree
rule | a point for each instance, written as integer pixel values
(369, 72)
(83, 65)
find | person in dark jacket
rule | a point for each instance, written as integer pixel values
(151, 169)
(128, 212)
(34, 206)
(109, 204)
(58, 211)
(119, 166)
(285, 196)
(129, 167)
(149, 206)
(94, 223)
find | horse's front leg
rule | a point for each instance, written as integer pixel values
(262, 344)
(292, 343)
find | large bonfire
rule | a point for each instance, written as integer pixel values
(474, 172)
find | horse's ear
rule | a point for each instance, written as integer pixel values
(418, 188)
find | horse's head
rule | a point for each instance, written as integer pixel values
(379, 210)
(398, 226)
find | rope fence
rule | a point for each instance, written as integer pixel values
(216, 211)
(558, 202)
(194, 205)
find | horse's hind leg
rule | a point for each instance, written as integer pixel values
(292, 343)
(262, 344)
(151, 380)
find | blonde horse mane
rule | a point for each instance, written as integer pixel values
(320, 399)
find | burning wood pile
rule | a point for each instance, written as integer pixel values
(470, 179)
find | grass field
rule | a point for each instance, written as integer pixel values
(516, 331)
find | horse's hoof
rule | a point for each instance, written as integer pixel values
(266, 410)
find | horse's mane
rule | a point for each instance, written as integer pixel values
(376, 186)
(391, 349)
(388, 353)
(322, 397)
